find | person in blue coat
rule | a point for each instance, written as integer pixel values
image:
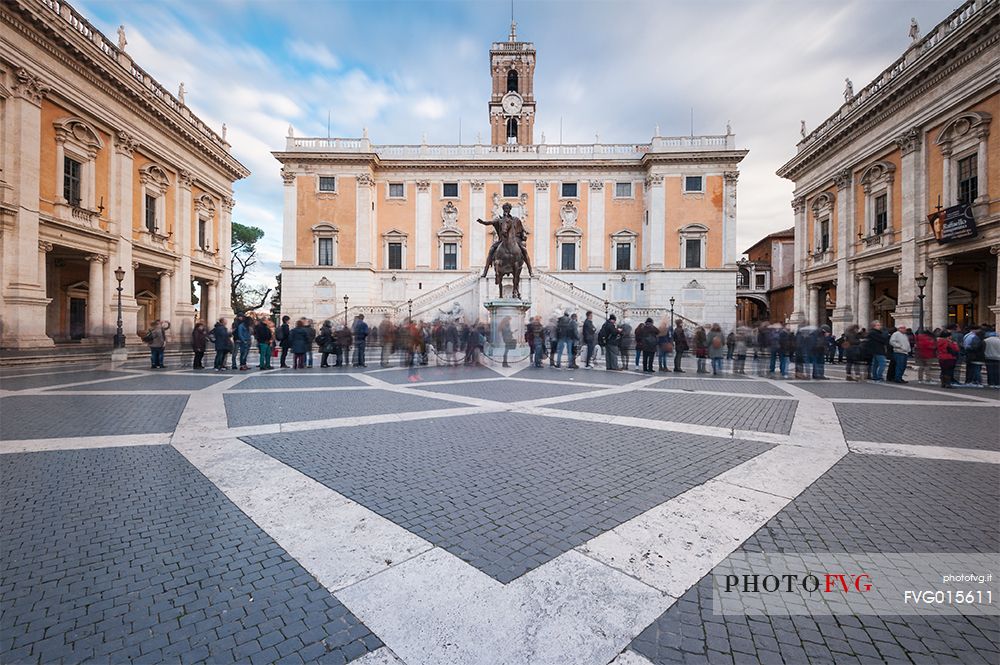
(301, 344)
(223, 344)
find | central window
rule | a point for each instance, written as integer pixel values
(71, 180)
(325, 248)
(510, 190)
(623, 190)
(397, 190)
(202, 233)
(395, 256)
(623, 256)
(150, 213)
(569, 190)
(824, 235)
(968, 181)
(692, 253)
(450, 256)
(694, 183)
(568, 256)
(327, 183)
(881, 213)
(449, 190)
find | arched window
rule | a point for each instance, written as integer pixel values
(512, 81)
(511, 130)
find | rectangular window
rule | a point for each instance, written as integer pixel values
(761, 283)
(202, 232)
(623, 190)
(325, 252)
(450, 256)
(881, 213)
(692, 253)
(568, 190)
(824, 235)
(395, 256)
(510, 190)
(449, 190)
(623, 256)
(71, 180)
(968, 182)
(397, 190)
(694, 183)
(327, 183)
(150, 213)
(568, 256)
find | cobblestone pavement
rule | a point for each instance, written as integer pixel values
(772, 415)
(863, 504)
(956, 426)
(510, 503)
(151, 564)
(59, 416)
(453, 521)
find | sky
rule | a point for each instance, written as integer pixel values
(614, 68)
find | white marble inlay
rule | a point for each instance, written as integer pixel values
(925, 452)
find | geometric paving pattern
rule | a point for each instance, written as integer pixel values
(953, 426)
(507, 390)
(57, 416)
(863, 504)
(741, 386)
(123, 554)
(506, 506)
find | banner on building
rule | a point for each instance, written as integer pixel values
(954, 223)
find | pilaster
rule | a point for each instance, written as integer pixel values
(225, 252)
(842, 314)
(289, 219)
(365, 222)
(911, 181)
(543, 229)
(595, 225)
(799, 295)
(729, 255)
(422, 227)
(477, 232)
(183, 222)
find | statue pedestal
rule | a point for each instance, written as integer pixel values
(509, 311)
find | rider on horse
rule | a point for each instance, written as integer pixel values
(507, 224)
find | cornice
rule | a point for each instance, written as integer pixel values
(113, 81)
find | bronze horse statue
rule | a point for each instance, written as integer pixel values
(508, 254)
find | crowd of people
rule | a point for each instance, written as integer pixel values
(767, 349)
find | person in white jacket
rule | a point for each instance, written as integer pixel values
(899, 342)
(992, 351)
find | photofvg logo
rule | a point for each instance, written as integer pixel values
(856, 584)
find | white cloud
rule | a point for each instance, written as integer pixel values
(428, 107)
(317, 54)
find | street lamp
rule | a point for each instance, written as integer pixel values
(672, 322)
(409, 308)
(606, 303)
(119, 333)
(921, 281)
(346, 298)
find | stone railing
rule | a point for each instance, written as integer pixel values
(423, 301)
(883, 239)
(874, 90)
(528, 152)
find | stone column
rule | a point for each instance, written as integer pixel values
(864, 315)
(982, 302)
(422, 228)
(121, 227)
(995, 307)
(981, 163)
(213, 300)
(477, 232)
(799, 293)
(166, 295)
(225, 252)
(653, 234)
(95, 296)
(596, 239)
(814, 305)
(729, 255)
(842, 314)
(25, 298)
(912, 180)
(365, 222)
(289, 219)
(939, 293)
(543, 230)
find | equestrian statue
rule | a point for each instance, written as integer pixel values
(508, 253)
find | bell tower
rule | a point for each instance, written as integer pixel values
(512, 103)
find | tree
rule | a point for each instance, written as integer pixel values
(243, 258)
(276, 300)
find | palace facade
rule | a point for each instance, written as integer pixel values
(919, 144)
(102, 168)
(391, 229)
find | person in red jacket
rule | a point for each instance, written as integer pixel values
(924, 351)
(947, 354)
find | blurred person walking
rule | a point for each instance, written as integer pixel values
(222, 341)
(199, 341)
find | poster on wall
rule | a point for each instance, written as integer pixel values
(954, 223)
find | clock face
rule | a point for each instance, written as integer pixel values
(511, 103)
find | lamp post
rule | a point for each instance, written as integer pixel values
(346, 298)
(119, 333)
(409, 308)
(672, 322)
(921, 281)
(606, 303)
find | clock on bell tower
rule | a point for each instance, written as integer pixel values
(512, 103)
